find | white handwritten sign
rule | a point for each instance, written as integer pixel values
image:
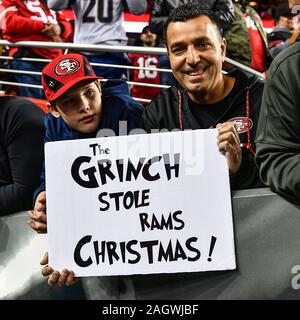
(153, 203)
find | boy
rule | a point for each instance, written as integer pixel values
(79, 107)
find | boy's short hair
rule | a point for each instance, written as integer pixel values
(63, 72)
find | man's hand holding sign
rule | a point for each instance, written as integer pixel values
(229, 144)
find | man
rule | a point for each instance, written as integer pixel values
(278, 136)
(205, 97)
(148, 39)
(100, 22)
(285, 33)
(32, 21)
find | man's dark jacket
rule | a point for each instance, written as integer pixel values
(165, 111)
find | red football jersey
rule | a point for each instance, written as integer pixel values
(25, 20)
(145, 76)
(258, 48)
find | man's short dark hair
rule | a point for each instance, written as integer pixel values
(190, 11)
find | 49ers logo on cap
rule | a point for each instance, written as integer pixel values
(242, 124)
(66, 66)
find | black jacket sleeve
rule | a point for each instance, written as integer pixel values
(225, 13)
(49, 136)
(158, 18)
(278, 136)
(148, 121)
(162, 8)
(22, 132)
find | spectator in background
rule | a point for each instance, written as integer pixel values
(32, 21)
(21, 153)
(266, 13)
(148, 39)
(102, 24)
(285, 33)
(246, 39)
(159, 16)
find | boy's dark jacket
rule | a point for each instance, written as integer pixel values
(163, 113)
(117, 106)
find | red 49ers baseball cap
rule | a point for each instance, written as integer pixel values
(64, 72)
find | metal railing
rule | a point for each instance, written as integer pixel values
(107, 48)
(98, 48)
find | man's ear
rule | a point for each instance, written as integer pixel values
(223, 49)
(98, 82)
(53, 110)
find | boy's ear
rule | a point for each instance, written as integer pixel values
(99, 84)
(53, 110)
(223, 49)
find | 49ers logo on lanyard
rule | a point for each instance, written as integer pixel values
(67, 66)
(242, 124)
